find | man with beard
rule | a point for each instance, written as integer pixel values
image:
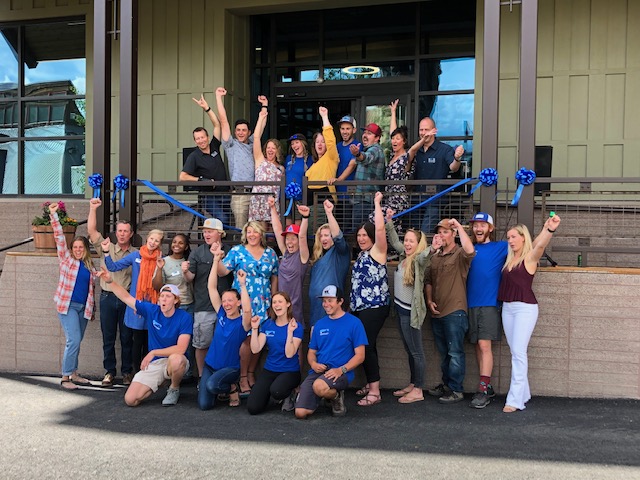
(482, 296)
(199, 265)
(446, 288)
(370, 167)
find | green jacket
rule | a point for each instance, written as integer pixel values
(422, 262)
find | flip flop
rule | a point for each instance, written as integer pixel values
(78, 380)
(367, 402)
(68, 385)
(408, 399)
(509, 409)
(234, 398)
(402, 392)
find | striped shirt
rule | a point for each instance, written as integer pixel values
(69, 267)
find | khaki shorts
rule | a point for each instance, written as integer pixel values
(155, 374)
(203, 323)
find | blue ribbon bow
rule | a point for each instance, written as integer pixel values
(95, 182)
(487, 178)
(524, 177)
(120, 184)
(292, 192)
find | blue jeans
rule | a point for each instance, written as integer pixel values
(412, 341)
(215, 206)
(74, 324)
(214, 382)
(111, 319)
(449, 332)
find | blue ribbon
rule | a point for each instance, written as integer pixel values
(524, 177)
(121, 184)
(488, 177)
(95, 182)
(434, 197)
(292, 192)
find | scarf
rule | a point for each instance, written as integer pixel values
(144, 287)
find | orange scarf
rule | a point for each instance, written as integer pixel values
(144, 287)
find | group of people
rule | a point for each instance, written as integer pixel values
(323, 160)
(218, 306)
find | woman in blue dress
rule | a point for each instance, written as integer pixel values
(261, 265)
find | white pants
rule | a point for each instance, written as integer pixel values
(518, 320)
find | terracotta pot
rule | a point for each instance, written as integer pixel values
(43, 238)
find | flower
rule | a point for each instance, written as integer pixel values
(62, 216)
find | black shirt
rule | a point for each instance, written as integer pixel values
(208, 166)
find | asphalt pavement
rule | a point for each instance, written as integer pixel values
(50, 433)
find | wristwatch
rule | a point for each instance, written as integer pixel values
(343, 369)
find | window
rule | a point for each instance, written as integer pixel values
(42, 107)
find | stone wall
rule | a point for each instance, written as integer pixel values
(586, 343)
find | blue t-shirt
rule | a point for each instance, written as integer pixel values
(335, 340)
(484, 275)
(81, 287)
(164, 331)
(277, 361)
(295, 170)
(228, 335)
(330, 269)
(345, 158)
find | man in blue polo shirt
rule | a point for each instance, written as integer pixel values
(170, 331)
(336, 348)
(434, 160)
(482, 298)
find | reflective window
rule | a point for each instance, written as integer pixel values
(297, 37)
(453, 114)
(52, 102)
(446, 32)
(447, 74)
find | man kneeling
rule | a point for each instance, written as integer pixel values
(335, 350)
(170, 331)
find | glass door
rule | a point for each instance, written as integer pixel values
(376, 109)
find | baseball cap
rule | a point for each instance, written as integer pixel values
(297, 136)
(373, 128)
(482, 217)
(295, 229)
(213, 224)
(332, 291)
(171, 288)
(444, 223)
(347, 119)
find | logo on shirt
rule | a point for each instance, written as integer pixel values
(324, 332)
(157, 325)
(270, 333)
(431, 160)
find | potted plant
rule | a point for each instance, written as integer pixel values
(43, 231)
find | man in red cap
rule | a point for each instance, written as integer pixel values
(370, 167)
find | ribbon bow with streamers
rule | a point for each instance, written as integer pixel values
(292, 192)
(488, 177)
(524, 177)
(95, 182)
(120, 183)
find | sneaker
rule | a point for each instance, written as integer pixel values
(480, 400)
(490, 391)
(439, 391)
(453, 397)
(107, 381)
(173, 394)
(338, 408)
(127, 378)
(289, 403)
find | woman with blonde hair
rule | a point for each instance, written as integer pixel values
(143, 263)
(74, 297)
(261, 266)
(411, 308)
(519, 304)
(330, 262)
(267, 169)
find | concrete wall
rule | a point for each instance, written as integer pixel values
(586, 343)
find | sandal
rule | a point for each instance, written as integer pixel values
(253, 374)
(367, 402)
(78, 380)
(402, 392)
(234, 397)
(363, 392)
(410, 399)
(244, 393)
(509, 409)
(68, 385)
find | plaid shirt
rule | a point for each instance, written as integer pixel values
(69, 267)
(370, 168)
